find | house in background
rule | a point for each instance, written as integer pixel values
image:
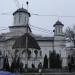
(47, 44)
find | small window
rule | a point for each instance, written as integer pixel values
(59, 29)
(25, 19)
(0, 53)
(20, 15)
(15, 19)
(41, 53)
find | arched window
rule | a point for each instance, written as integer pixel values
(0, 53)
(20, 15)
(40, 53)
(15, 19)
(25, 19)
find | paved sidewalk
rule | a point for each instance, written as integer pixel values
(72, 73)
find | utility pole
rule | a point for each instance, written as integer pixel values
(27, 45)
(27, 39)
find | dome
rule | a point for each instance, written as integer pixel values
(21, 10)
(58, 23)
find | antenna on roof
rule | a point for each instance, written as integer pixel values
(27, 4)
(22, 5)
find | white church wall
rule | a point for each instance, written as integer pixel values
(21, 29)
(21, 19)
(46, 46)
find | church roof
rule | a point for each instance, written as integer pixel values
(21, 10)
(58, 23)
(21, 42)
(44, 38)
(37, 37)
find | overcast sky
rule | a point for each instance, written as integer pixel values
(42, 7)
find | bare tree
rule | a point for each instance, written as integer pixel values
(70, 34)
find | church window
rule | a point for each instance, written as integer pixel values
(59, 29)
(56, 29)
(14, 19)
(40, 53)
(20, 15)
(0, 53)
(25, 19)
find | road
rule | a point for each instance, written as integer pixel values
(73, 73)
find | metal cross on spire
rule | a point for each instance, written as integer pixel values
(22, 5)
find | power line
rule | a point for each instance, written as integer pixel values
(41, 15)
(3, 29)
(53, 15)
(33, 27)
(44, 15)
(5, 14)
(41, 29)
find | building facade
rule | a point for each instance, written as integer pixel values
(47, 44)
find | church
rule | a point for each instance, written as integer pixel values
(47, 44)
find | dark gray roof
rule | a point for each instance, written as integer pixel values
(58, 23)
(21, 42)
(44, 38)
(38, 38)
(21, 10)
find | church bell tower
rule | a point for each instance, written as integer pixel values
(58, 28)
(21, 17)
(20, 20)
(59, 36)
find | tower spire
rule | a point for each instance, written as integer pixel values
(22, 5)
